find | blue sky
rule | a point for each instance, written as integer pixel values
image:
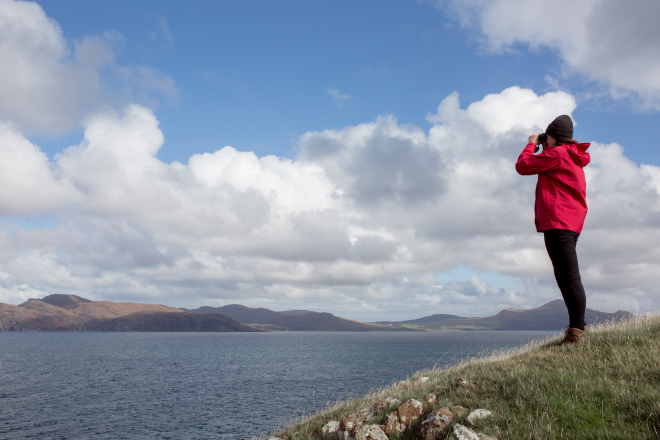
(354, 157)
(256, 74)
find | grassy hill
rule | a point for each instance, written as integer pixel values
(606, 388)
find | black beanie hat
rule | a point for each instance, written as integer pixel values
(561, 128)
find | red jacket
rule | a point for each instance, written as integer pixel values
(561, 191)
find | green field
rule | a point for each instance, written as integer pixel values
(606, 388)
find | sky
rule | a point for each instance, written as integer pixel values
(352, 157)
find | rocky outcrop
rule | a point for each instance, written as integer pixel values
(350, 425)
(437, 424)
(399, 420)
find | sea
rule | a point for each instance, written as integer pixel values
(88, 385)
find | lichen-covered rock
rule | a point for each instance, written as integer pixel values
(478, 414)
(399, 420)
(330, 431)
(459, 410)
(384, 404)
(462, 433)
(391, 424)
(370, 432)
(486, 437)
(352, 421)
(436, 425)
(429, 400)
(409, 412)
(419, 380)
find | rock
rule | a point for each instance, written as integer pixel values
(463, 433)
(419, 380)
(409, 412)
(429, 400)
(370, 432)
(461, 384)
(352, 421)
(436, 425)
(350, 424)
(459, 410)
(486, 437)
(384, 404)
(391, 424)
(330, 431)
(478, 414)
(274, 438)
(399, 420)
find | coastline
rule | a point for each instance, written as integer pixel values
(535, 391)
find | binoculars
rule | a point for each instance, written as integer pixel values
(542, 139)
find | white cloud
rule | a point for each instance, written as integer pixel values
(339, 98)
(608, 41)
(27, 185)
(358, 224)
(49, 85)
(361, 223)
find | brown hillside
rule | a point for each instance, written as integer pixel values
(71, 312)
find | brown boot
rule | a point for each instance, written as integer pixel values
(572, 336)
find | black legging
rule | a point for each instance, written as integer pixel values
(560, 244)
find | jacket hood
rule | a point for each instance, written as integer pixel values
(579, 154)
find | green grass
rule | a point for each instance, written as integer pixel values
(606, 388)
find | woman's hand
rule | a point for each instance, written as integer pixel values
(534, 139)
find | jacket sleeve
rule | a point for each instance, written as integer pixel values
(529, 164)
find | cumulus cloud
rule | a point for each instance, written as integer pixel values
(360, 224)
(611, 42)
(49, 85)
(28, 187)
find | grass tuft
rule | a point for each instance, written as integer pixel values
(605, 388)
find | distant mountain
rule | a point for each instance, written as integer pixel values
(293, 319)
(295, 312)
(550, 316)
(71, 312)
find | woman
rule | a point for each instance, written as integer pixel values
(560, 210)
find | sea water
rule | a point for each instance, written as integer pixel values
(83, 385)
